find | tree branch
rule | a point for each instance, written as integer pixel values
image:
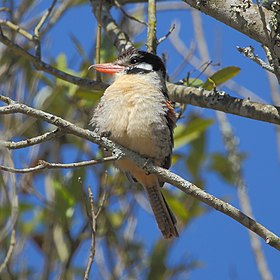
(10, 251)
(42, 66)
(32, 141)
(192, 190)
(118, 37)
(241, 15)
(49, 165)
(152, 26)
(188, 95)
(219, 100)
(120, 152)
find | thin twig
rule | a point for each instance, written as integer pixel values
(152, 25)
(10, 251)
(98, 40)
(49, 165)
(182, 49)
(93, 219)
(43, 19)
(249, 52)
(275, 59)
(40, 65)
(17, 29)
(117, 36)
(32, 141)
(37, 29)
(93, 235)
(160, 40)
(128, 15)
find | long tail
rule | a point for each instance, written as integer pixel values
(165, 218)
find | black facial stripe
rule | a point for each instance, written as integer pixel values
(135, 70)
(142, 57)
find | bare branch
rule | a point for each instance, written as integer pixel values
(93, 235)
(160, 40)
(241, 15)
(10, 251)
(32, 141)
(271, 42)
(118, 37)
(192, 190)
(127, 15)
(165, 175)
(249, 52)
(152, 26)
(98, 40)
(219, 100)
(17, 29)
(93, 222)
(40, 65)
(49, 165)
(43, 19)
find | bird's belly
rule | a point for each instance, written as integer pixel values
(142, 130)
(136, 119)
(139, 137)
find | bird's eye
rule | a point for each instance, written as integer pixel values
(134, 60)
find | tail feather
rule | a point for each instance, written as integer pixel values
(165, 218)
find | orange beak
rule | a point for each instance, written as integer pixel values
(108, 68)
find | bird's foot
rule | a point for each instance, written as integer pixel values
(106, 134)
(147, 162)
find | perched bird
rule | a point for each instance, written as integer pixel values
(136, 113)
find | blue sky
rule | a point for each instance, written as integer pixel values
(215, 239)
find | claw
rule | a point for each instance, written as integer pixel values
(148, 161)
(106, 134)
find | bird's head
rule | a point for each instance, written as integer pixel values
(133, 61)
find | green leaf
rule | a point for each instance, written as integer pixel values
(196, 159)
(183, 134)
(116, 219)
(221, 165)
(221, 77)
(87, 97)
(65, 201)
(177, 206)
(183, 208)
(193, 82)
(61, 61)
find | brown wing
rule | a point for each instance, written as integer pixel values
(171, 122)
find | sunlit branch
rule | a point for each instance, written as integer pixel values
(165, 175)
(31, 141)
(152, 26)
(219, 100)
(241, 15)
(43, 66)
(127, 15)
(249, 52)
(117, 36)
(93, 215)
(50, 165)
(10, 251)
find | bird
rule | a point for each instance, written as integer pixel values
(135, 112)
